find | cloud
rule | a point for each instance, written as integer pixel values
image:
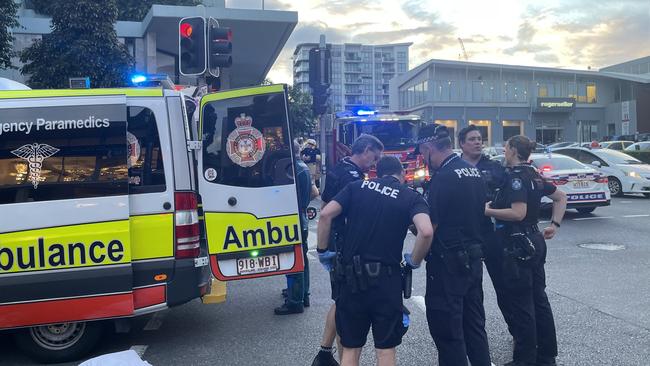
(546, 58)
(525, 42)
(344, 7)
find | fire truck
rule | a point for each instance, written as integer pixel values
(396, 130)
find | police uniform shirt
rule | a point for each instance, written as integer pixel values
(457, 199)
(524, 184)
(493, 174)
(378, 214)
(343, 173)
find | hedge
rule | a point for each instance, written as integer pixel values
(644, 156)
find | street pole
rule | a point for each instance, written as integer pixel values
(322, 119)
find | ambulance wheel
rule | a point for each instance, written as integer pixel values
(59, 342)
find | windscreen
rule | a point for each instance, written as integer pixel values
(615, 157)
(390, 133)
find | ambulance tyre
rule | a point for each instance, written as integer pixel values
(59, 342)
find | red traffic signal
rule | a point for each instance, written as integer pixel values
(191, 46)
(186, 30)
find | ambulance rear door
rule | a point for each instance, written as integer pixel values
(65, 251)
(246, 184)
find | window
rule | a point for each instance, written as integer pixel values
(587, 131)
(401, 67)
(269, 118)
(512, 128)
(401, 56)
(591, 93)
(147, 172)
(586, 92)
(79, 162)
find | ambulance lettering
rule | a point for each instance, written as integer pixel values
(252, 238)
(56, 255)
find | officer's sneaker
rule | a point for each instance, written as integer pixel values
(287, 309)
(324, 358)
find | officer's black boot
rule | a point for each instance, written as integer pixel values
(324, 358)
(287, 309)
(518, 363)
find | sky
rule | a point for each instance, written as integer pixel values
(574, 34)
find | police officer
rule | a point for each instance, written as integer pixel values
(378, 214)
(366, 151)
(454, 297)
(516, 210)
(493, 173)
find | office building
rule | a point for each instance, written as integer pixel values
(546, 104)
(360, 73)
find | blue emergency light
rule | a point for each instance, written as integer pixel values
(365, 112)
(138, 78)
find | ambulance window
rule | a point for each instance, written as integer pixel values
(145, 159)
(246, 141)
(63, 157)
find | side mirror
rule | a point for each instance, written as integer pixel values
(596, 163)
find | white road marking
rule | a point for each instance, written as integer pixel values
(625, 202)
(636, 215)
(419, 302)
(140, 349)
(156, 321)
(593, 218)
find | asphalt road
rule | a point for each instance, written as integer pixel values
(601, 301)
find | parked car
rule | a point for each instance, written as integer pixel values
(625, 174)
(616, 145)
(639, 146)
(539, 148)
(558, 145)
(586, 188)
(494, 151)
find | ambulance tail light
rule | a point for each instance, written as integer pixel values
(187, 225)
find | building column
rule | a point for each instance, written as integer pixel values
(150, 52)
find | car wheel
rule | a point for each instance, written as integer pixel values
(615, 187)
(586, 210)
(647, 195)
(59, 342)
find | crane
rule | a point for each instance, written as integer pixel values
(462, 46)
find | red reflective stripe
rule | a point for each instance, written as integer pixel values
(66, 310)
(148, 296)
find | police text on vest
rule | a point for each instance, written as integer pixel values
(385, 190)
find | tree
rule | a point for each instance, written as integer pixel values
(8, 10)
(300, 112)
(127, 9)
(301, 116)
(83, 42)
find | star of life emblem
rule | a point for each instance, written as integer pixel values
(35, 154)
(245, 145)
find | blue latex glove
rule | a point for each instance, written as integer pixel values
(409, 261)
(326, 260)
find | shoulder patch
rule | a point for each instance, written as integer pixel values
(516, 184)
(354, 173)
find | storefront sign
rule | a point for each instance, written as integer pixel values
(555, 104)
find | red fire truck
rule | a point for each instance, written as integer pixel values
(397, 131)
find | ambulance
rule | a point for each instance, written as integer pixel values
(116, 203)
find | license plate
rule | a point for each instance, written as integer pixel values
(581, 184)
(264, 264)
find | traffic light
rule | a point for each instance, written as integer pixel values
(319, 67)
(219, 47)
(320, 98)
(191, 46)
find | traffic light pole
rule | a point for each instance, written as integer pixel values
(323, 139)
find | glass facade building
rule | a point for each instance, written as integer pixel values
(549, 105)
(360, 73)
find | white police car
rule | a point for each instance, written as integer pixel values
(585, 187)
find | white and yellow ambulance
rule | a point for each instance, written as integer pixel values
(113, 204)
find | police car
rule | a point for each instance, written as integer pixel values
(585, 187)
